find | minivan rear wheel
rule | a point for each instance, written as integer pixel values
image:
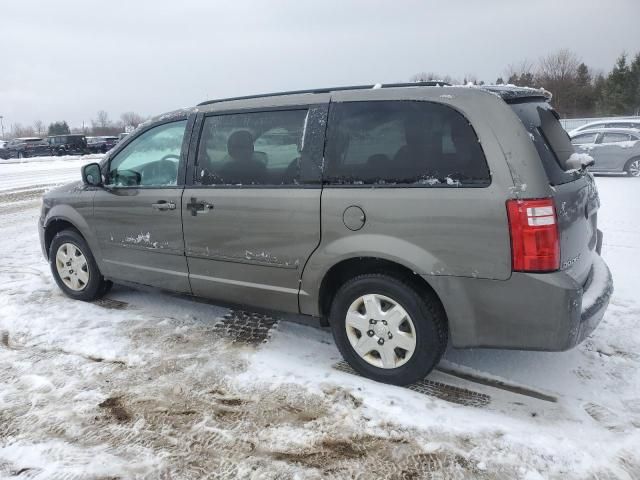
(74, 268)
(633, 167)
(387, 330)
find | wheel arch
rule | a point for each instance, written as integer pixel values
(346, 269)
(54, 226)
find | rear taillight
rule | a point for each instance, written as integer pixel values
(535, 244)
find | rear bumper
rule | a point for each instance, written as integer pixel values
(595, 299)
(549, 311)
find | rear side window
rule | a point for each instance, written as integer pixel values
(402, 142)
(615, 138)
(551, 140)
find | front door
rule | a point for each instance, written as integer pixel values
(137, 214)
(251, 217)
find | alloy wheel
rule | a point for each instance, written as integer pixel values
(634, 168)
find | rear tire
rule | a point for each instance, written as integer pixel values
(387, 330)
(632, 168)
(74, 267)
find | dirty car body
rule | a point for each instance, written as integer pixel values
(322, 204)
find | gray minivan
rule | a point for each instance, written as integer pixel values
(405, 217)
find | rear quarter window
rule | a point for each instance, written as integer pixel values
(552, 142)
(386, 143)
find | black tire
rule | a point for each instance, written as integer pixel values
(627, 168)
(96, 287)
(426, 313)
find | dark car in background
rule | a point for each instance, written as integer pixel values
(25, 147)
(71, 144)
(101, 144)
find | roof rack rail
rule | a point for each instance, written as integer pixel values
(331, 89)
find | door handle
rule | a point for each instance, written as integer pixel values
(198, 207)
(164, 205)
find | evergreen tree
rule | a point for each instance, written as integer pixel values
(634, 85)
(584, 95)
(59, 128)
(615, 95)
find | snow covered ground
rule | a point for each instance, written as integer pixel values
(149, 385)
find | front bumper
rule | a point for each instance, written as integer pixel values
(41, 235)
(548, 311)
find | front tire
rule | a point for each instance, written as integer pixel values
(387, 330)
(74, 268)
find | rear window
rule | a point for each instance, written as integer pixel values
(551, 140)
(402, 142)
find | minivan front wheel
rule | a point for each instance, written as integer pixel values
(74, 268)
(633, 167)
(387, 330)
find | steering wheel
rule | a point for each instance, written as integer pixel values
(161, 172)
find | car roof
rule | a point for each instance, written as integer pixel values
(393, 91)
(587, 126)
(28, 138)
(632, 131)
(67, 135)
(434, 91)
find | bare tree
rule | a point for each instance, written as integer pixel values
(18, 131)
(131, 119)
(561, 66)
(102, 119)
(521, 74)
(432, 77)
(101, 125)
(558, 73)
(38, 126)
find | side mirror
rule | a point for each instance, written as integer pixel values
(92, 175)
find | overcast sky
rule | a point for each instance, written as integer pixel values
(67, 59)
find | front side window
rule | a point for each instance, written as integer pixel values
(406, 142)
(152, 159)
(258, 148)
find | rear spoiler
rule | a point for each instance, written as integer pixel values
(513, 94)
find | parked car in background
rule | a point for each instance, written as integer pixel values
(70, 144)
(25, 147)
(3, 151)
(613, 149)
(613, 123)
(425, 232)
(101, 144)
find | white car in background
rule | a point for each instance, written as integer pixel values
(613, 149)
(619, 123)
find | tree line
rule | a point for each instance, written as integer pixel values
(578, 90)
(101, 125)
